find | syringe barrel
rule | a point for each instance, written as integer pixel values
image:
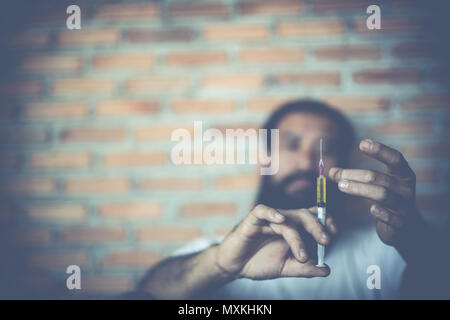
(321, 191)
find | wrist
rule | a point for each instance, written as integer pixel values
(221, 271)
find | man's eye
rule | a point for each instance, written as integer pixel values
(292, 145)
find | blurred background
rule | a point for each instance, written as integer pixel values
(86, 117)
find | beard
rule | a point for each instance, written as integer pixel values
(279, 195)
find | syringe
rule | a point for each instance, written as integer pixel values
(321, 205)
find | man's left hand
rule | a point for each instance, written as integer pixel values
(394, 192)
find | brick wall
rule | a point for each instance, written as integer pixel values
(86, 117)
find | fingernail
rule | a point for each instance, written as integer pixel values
(343, 184)
(323, 237)
(376, 211)
(333, 228)
(278, 216)
(367, 144)
(303, 254)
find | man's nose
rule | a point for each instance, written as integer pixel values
(304, 160)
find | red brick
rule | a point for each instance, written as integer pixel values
(106, 285)
(426, 151)
(196, 58)
(35, 39)
(86, 37)
(410, 50)
(341, 5)
(359, 103)
(136, 259)
(401, 127)
(221, 32)
(157, 83)
(348, 52)
(387, 76)
(235, 81)
(131, 210)
(237, 182)
(271, 7)
(126, 107)
(311, 28)
(205, 209)
(52, 110)
(202, 106)
(92, 134)
(61, 63)
(82, 86)
(273, 54)
(31, 236)
(160, 131)
(390, 25)
(133, 159)
(59, 160)
(57, 212)
(198, 9)
(127, 11)
(96, 185)
(23, 136)
(27, 88)
(308, 78)
(425, 175)
(30, 186)
(92, 235)
(159, 35)
(123, 61)
(171, 184)
(427, 102)
(267, 104)
(234, 126)
(163, 233)
(58, 260)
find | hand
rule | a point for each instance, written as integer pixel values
(394, 192)
(267, 244)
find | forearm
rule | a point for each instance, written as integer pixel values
(185, 277)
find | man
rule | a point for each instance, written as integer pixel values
(271, 253)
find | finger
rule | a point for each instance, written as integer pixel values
(369, 191)
(360, 175)
(293, 239)
(386, 216)
(394, 159)
(293, 268)
(330, 224)
(311, 224)
(372, 177)
(261, 214)
(259, 217)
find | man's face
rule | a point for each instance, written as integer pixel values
(299, 154)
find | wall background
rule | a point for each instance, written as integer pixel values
(86, 117)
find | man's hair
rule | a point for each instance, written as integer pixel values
(346, 134)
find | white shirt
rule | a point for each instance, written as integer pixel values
(348, 260)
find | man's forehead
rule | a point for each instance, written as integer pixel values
(306, 123)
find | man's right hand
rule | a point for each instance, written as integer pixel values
(267, 244)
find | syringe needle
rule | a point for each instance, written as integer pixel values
(320, 149)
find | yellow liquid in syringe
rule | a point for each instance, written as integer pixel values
(321, 191)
